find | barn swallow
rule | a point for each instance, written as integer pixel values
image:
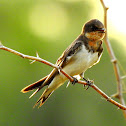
(84, 52)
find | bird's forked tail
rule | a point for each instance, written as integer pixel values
(39, 85)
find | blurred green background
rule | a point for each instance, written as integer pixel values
(48, 27)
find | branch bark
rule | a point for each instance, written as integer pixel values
(119, 93)
(65, 74)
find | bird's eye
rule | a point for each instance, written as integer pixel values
(93, 28)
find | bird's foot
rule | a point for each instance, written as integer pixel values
(89, 83)
(74, 81)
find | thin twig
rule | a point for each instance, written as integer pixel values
(68, 76)
(27, 56)
(35, 59)
(119, 93)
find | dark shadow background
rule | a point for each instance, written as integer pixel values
(48, 27)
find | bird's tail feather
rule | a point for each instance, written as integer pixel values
(44, 97)
(34, 85)
(38, 85)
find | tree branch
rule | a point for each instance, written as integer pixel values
(63, 72)
(119, 93)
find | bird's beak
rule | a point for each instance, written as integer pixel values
(101, 30)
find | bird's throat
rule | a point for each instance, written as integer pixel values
(94, 45)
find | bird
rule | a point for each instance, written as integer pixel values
(84, 52)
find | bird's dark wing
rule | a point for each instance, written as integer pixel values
(69, 53)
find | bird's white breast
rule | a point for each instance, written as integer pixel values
(82, 60)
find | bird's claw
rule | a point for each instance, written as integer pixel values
(88, 83)
(74, 81)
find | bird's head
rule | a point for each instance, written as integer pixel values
(94, 30)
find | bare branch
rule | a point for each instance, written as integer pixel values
(119, 93)
(68, 76)
(35, 59)
(27, 56)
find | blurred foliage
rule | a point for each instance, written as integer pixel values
(49, 26)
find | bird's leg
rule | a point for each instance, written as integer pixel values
(74, 80)
(89, 82)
